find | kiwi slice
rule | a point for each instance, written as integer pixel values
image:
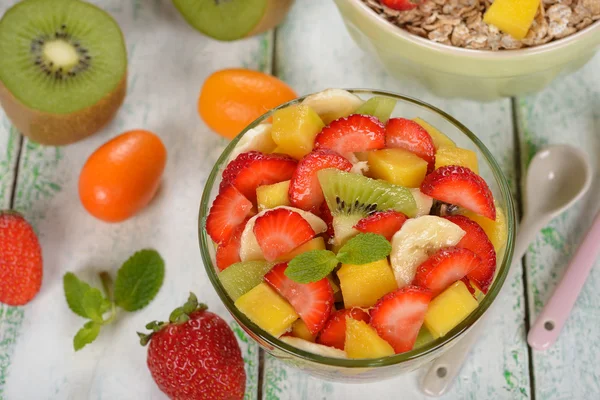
(239, 278)
(351, 197)
(378, 106)
(63, 69)
(233, 19)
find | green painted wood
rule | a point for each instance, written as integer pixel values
(168, 62)
(315, 52)
(567, 112)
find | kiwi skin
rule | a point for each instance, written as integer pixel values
(276, 12)
(62, 129)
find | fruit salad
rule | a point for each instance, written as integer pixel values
(350, 234)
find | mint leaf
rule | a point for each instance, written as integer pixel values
(86, 335)
(139, 280)
(364, 248)
(75, 290)
(311, 266)
(93, 303)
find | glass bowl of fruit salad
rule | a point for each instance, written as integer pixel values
(356, 234)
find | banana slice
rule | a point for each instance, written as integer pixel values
(315, 348)
(417, 240)
(361, 168)
(259, 139)
(424, 202)
(332, 104)
(249, 248)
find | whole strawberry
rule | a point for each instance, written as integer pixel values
(20, 260)
(195, 356)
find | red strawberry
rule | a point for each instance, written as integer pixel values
(195, 355)
(334, 331)
(312, 301)
(352, 134)
(280, 231)
(467, 283)
(477, 241)
(445, 267)
(398, 316)
(328, 218)
(305, 191)
(384, 223)
(228, 252)
(229, 210)
(401, 5)
(407, 134)
(253, 169)
(461, 186)
(20, 260)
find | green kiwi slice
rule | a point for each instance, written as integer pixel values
(59, 58)
(379, 107)
(239, 278)
(351, 197)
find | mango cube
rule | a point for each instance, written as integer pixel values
(397, 166)
(456, 156)
(362, 341)
(294, 129)
(314, 244)
(449, 309)
(271, 196)
(363, 285)
(496, 230)
(439, 139)
(263, 306)
(300, 330)
(512, 16)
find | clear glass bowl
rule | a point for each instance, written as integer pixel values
(367, 370)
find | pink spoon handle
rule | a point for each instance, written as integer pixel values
(549, 323)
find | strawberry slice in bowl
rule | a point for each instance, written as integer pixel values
(355, 133)
(228, 252)
(398, 316)
(406, 134)
(461, 186)
(333, 333)
(401, 5)
(312, 301)
(384, 223)
(230, 209)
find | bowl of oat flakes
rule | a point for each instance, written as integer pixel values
(449, 47)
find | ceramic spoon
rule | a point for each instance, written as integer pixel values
(556, 178)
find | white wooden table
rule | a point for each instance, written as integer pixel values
(168, 62)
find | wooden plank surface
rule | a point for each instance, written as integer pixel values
(314, 52)
(168, 62)
(567, 112)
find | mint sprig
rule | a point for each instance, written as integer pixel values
(138, 281)
(314, 265)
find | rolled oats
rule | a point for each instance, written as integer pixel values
(460, 22)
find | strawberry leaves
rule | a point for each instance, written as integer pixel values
(138, 281)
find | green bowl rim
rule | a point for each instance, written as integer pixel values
(425, 350)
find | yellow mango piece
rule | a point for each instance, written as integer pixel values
(294, 129)
(497, 231)
(363, 285)
(397, 166)
(271, 196)
(456, 156)
(439, 139)
(362, 341)
(263, 306)
(449, 309)
(512, 16)
(278, 150)
(314, 244)
(300, 330)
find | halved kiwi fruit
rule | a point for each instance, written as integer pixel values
(63, 69)
(233, 19)
(351, 197)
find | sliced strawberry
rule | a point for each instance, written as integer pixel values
(467, 283)
(384, 223)
(228, 252)
(305, 191)
(280, 231)
(461, 186)
(334, 331)
(229, 210)
(401, 5)
(407, 134)
(445, 267)
(253, 169)
(397, 317)
(477, 241)
(326, 216)
(312, 301)
(352, 134)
